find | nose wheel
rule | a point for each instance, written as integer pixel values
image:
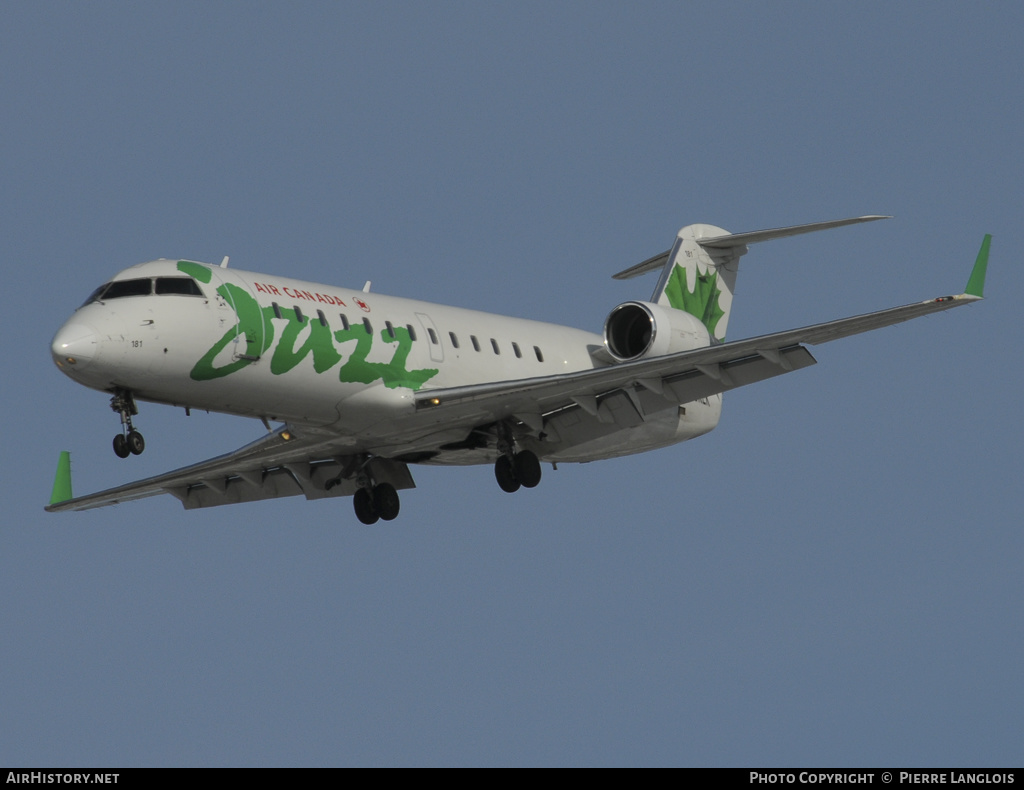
(129, 441)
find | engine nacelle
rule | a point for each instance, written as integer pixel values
(635, 330)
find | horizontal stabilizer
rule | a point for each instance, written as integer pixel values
(754, 236)
(729, 240)
(653, 263)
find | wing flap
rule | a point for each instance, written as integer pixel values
(691, 386)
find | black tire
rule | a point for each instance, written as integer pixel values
(385, 501)
(505, 475)
(527, 469)
(363, 504)
(121, 446)
(136, 444)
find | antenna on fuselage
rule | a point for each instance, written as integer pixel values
(366, 288)
(224, 263)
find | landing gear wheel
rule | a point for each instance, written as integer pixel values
(131, 440)
(363, 504)
(527, 468)
(136, 444)
(505, 475)
(385, 501)
(121, 449)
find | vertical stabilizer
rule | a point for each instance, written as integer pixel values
(700, 280)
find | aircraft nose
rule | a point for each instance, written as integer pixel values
(74, 346)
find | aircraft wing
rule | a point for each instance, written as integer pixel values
(622, 393)
(286, 462)
(680, 378)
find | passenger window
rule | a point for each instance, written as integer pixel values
(455, 340)
(277, 309)
(475, 342)
(494, 345)
(412, 332)
(298, 314)
(515, 348)
(322, 317)
(369, 327)
(390, 328)
(344, 321)
(536, 350)
(433, 335)
(180, 286)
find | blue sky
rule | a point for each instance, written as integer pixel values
(832, 577)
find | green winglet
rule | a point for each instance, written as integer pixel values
(976, 284)
(62, 481)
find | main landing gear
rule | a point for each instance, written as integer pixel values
(514, 469)
(372, 501)
(376, 502)
(129, 441)
(521, 469)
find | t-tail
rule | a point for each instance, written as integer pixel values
(698, 275)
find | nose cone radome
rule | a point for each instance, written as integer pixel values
(74, 346)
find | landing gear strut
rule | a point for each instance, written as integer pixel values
(129, 441)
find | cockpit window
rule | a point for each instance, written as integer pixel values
(120, 288)
(95, 295)
(182, 286)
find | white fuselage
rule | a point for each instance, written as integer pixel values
(346, 361)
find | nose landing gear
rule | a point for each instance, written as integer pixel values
(129, 441)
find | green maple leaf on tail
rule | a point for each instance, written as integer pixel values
(701, 302)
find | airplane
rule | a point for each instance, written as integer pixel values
(364, 386)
